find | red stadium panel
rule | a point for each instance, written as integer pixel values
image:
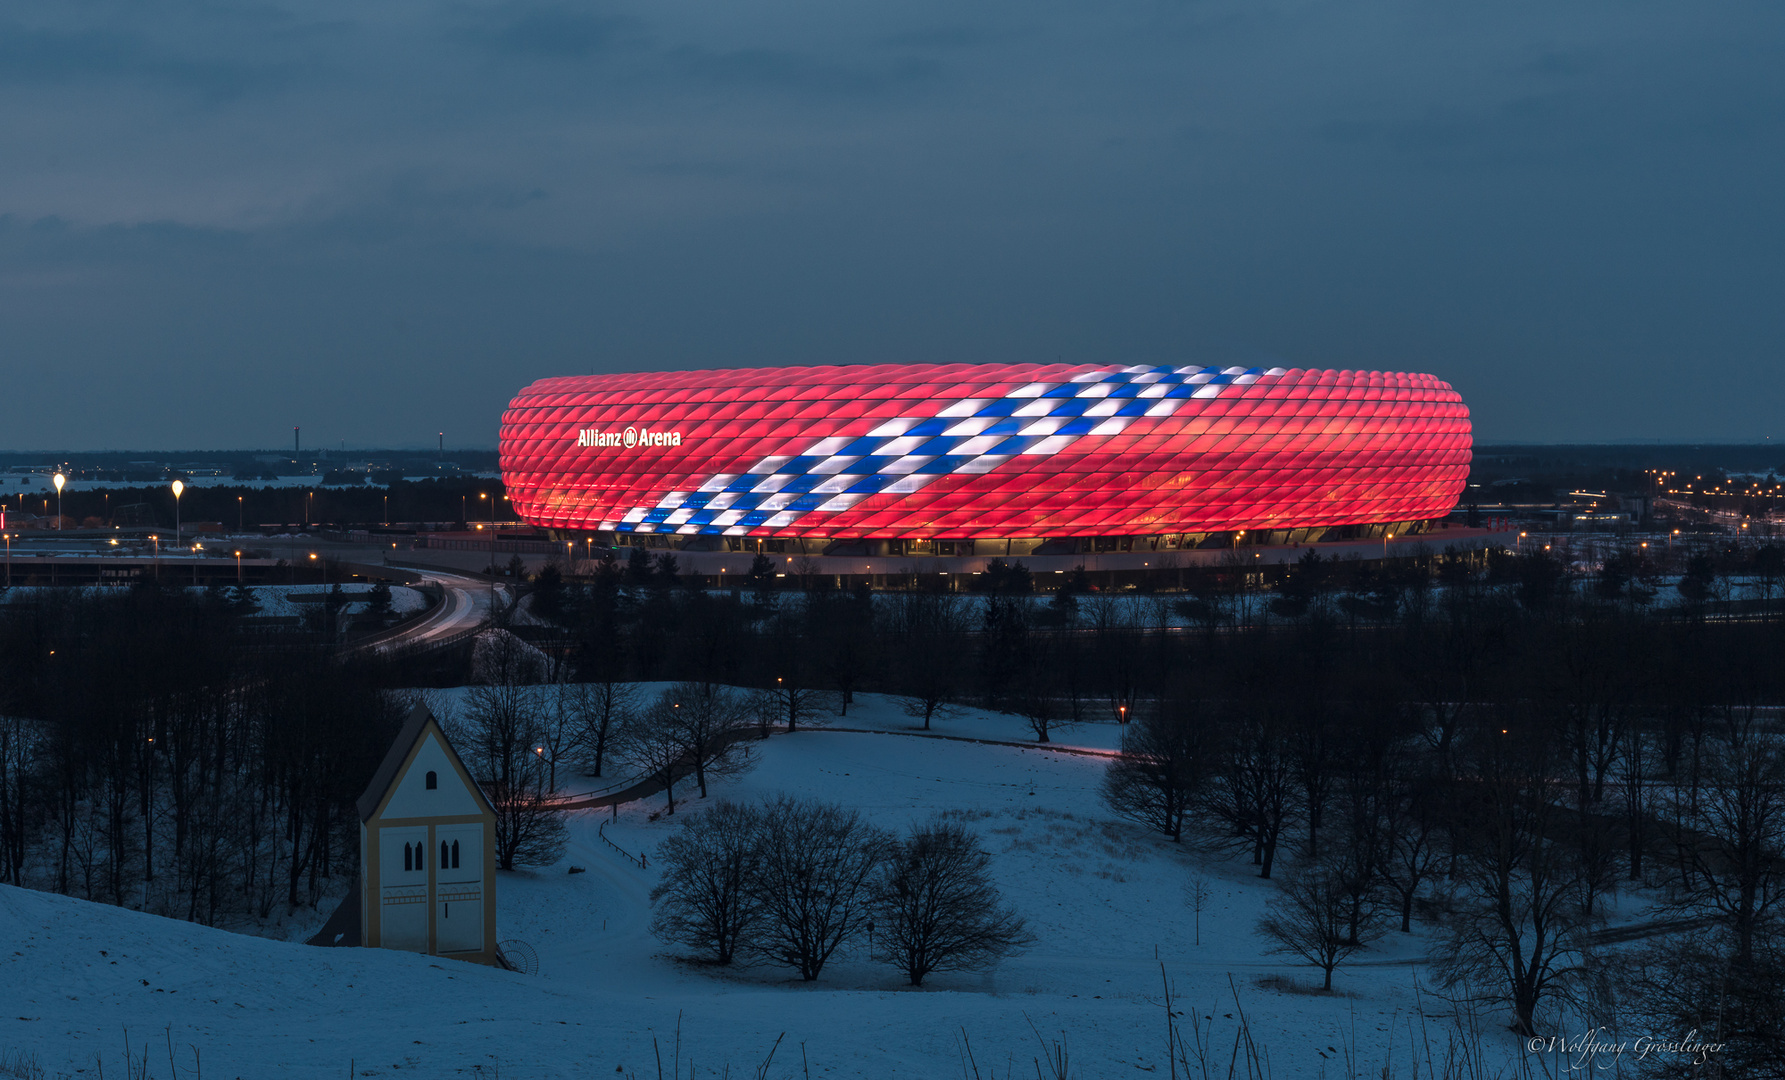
(953, 451)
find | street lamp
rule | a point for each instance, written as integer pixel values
(59, 481)
(179, 489)
(484, 495)
(238, 513)
(238, 567)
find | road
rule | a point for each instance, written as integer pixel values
(464, 609)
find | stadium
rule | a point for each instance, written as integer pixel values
(975, 459)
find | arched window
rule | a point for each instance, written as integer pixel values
(408, 858)
(455, 854)
(443, 863)
(433, 780)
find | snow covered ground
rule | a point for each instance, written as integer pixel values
(1105, 897)
(275, 600)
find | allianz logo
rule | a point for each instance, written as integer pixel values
(631, 438)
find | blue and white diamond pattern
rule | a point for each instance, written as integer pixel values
(974, 435)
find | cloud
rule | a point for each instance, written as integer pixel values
(541, 32)
(74, 55)
(1537, 202)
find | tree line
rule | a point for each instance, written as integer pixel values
(158, 751)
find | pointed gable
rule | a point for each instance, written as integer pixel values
(399, 787)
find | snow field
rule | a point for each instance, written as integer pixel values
(1105, 898)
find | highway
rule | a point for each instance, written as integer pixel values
(463, 610)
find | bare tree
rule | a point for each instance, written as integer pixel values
(1412, 819)
(1198, 893)
(939, 909)
(20, 749)
(500, 658)
(843, 626)
(1037, 696)
(651, 739)
(704, 898)
(1154, 779)
(559, 729)
(1518, 933)
(498, 736)
(600, 709)
(1251, 788)
(931, 653)
(794, 701)
(1732, 839)
(814, 881)
(712, 720)
(1635, 761)
(1310, 917)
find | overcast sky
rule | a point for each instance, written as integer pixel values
(378, 221)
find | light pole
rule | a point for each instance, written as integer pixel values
(59, 481)
(485, 495)
(179, 488)
(238, 514)
(156, 540)
(238, 567)
(387, 509)
(8, 560)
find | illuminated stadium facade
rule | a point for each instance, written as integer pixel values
(931, 458)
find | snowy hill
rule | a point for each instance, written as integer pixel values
(1105, 898)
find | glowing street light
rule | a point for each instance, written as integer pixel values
(179, 489)
(238, 567)
(59, 481)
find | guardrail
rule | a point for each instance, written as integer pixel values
(600, 831)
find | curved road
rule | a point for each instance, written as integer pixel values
(465, 607)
